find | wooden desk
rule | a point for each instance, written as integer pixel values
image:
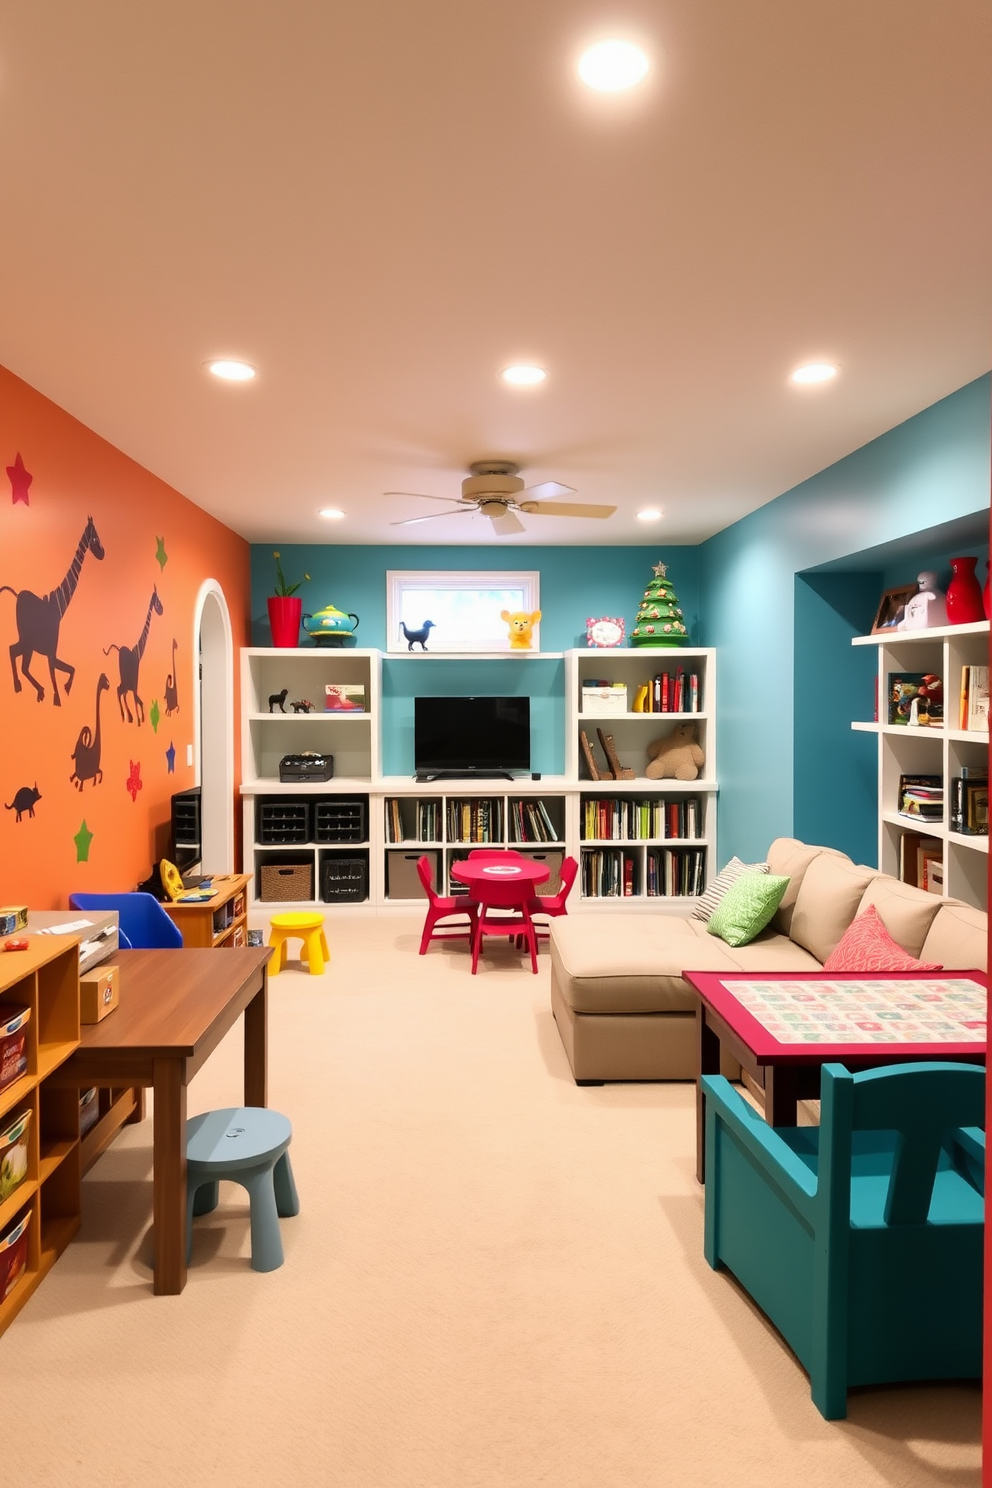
(175, 1007)
(220, 920)
(785, 1057)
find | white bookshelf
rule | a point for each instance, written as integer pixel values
(930, 750)
(355, 741)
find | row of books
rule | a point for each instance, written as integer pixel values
(921, 862)
(615, 819)
(612, 873)
(529, 821)
(973, 707)
(921, 796)
(476, 820)
(676, 692)
(479, 819)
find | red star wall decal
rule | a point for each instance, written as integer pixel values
(20, 481)
(134, 780)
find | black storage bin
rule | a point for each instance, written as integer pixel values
(283, 820)
(344, 880)
(306, 766)
(340, 819)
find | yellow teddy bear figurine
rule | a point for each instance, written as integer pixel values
(521, 627)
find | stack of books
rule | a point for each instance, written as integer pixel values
(921, 797)
(676, 692)
(921, 862)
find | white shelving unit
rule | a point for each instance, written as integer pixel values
(355, 742)
(943, 751)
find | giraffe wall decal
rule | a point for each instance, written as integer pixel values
(39, 617)
(128, 661)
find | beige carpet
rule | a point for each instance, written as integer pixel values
(496, 1279)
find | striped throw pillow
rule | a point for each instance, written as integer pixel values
(706, 904)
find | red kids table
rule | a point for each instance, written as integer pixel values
(502, 883)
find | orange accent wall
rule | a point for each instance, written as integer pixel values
(78, 475)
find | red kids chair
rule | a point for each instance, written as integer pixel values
(554, 904)
(443, 906)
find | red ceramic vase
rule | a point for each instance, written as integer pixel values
(964, 594)
(986, 596)
(285, 613)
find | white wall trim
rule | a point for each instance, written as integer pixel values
(213, 647)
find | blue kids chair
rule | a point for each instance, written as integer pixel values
(861, 1239)
(144, 924)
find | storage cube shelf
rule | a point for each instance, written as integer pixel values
(941, 751)
(44, 979)
(380, 825)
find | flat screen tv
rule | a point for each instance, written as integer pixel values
(465, 736)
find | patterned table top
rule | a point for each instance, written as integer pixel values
(828, 1016)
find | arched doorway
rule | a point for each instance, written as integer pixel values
(214, 726)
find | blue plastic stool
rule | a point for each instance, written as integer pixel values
(246, 1144)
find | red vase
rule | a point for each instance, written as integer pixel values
(986, 596)
(285, 613)
(964, 594)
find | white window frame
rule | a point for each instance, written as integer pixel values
(401, 583)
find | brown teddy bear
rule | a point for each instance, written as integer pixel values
(677, 756)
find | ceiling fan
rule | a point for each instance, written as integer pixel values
(494, 488)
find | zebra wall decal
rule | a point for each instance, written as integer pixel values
(39, 617)
(128, 661)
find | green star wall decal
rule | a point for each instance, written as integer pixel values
(161, 556)
(154, 714)
(82, 839)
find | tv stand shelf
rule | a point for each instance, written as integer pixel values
(448, 815)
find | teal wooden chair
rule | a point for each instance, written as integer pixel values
(861, 1239)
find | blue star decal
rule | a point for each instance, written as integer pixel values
(170, 755)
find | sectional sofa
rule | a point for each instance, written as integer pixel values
(623, 1010)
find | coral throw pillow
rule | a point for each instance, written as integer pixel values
(866, 945)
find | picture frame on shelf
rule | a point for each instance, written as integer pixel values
(890, 607)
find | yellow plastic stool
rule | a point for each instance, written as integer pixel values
(299, 924)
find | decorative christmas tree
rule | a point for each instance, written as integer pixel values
(659, 619)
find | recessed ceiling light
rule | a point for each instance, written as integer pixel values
(230, 371)
(649, 514)
(814, 372)
(611, 66)
(523, 376)
(332, 513)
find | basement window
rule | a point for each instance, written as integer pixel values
(463, 606)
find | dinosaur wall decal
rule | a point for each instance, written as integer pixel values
(24, 800)
(39, 617)
(86, 755)
(172, 687)
(128, 661)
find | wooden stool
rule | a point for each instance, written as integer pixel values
(246, 1144)
(299, 924)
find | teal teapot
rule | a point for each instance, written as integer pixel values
(330, 626)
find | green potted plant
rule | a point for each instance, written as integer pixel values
(285, 609)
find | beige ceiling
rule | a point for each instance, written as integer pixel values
(380, 204)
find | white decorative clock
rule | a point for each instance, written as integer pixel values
(605, 632)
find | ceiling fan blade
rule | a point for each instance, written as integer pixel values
(506, 524)
(433, 517)
(423, 496)
(565, 509)
(549, 488)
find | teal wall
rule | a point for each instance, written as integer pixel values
(575, 584)
(781, 638)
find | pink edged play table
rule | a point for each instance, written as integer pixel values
(783, 1027)
(503, 883)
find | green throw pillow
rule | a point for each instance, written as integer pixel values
(747, 906)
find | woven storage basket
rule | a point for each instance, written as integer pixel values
(285, 882)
